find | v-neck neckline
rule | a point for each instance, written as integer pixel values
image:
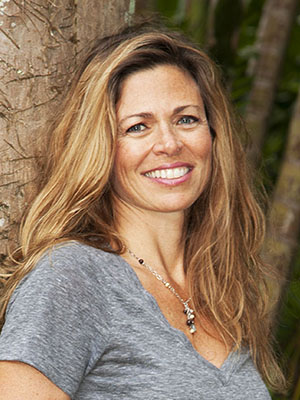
(230, 362)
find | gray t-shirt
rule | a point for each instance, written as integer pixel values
(84, 320)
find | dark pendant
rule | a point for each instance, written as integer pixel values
(190, 318)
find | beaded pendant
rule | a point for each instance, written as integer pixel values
(190, 318)
(187, 310)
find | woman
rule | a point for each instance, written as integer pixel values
(139, 275)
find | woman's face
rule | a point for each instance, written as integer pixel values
(163, 158)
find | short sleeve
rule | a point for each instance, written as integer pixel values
(56, 319)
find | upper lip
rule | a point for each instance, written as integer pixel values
(169, 166)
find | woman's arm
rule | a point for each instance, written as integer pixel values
(20, 381)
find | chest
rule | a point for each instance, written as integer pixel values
(205, 340)
(147, 357)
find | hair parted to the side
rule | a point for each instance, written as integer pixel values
(224, 228)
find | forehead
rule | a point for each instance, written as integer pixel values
(161, 87)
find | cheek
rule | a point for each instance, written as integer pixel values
(118, 168)
(130, 154)
(125, 160)
(203, 152)
(203, 147)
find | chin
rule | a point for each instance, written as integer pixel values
(175, 207)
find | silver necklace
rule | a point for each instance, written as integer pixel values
(187, 310)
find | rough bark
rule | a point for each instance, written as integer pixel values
(282, 238)
(39, 44)
(273, 34)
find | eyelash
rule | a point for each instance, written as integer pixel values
(187, 117)
(131, 129)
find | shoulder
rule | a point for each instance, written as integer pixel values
(66, 283)
(74, 260)
(69, 270)
(58, 315)
(72, 254)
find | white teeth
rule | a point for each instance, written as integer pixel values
(163, 173)
(178, 172)
(169, 173)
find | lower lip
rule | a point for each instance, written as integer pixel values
(171, 182)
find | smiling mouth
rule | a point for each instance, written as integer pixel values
(168, 173)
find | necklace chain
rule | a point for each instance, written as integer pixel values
(187, 310)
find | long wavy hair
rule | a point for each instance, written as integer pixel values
(224, 228)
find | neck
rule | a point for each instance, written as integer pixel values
(155, 237)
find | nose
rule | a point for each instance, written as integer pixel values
(167, 141)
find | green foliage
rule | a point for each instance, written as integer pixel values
(189, 16)
(240, 70)
(241, 75)
(168, 8)
(228, 16)
(288, 87)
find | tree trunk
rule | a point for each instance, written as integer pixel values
(272, 40)
(283, 234)
(40, 41)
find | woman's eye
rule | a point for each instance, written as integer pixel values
(186, 120)
(136, 128)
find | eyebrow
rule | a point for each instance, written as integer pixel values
(148, 115)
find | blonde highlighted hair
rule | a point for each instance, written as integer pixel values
(224, 228)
